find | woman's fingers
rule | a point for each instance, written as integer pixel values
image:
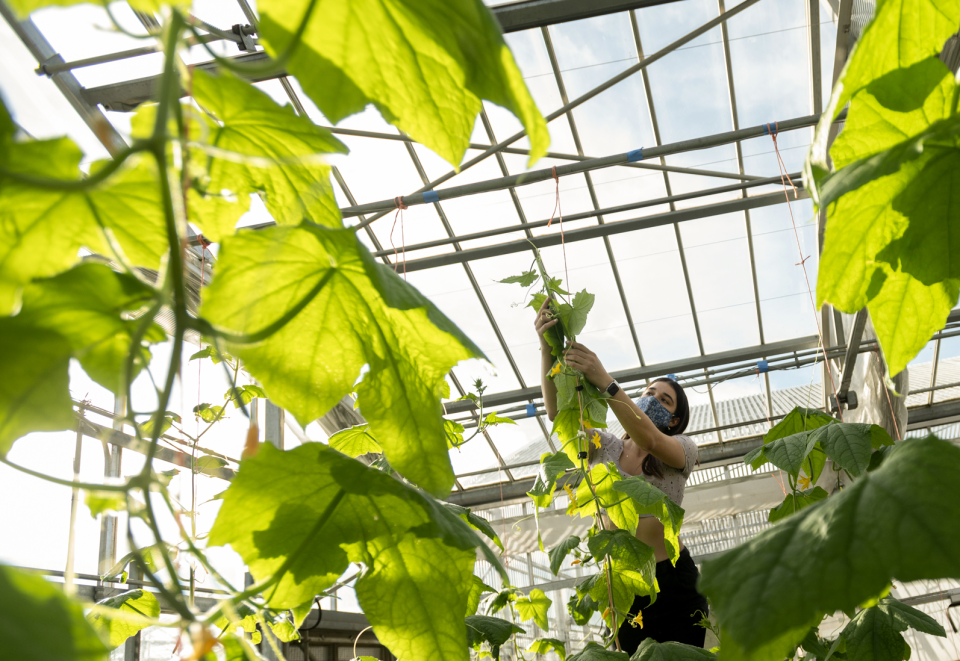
(544, 305)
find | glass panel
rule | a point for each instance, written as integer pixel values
(618, 186)
(921, 372)
(741, 400)
(522, 443)
(828, 47)
(538, 200)
(718, 262)
(784, 297)
(589, 52)
(652, 276)
(770, 59)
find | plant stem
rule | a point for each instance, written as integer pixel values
(89, 486)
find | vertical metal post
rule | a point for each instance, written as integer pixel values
(273, 425)
(933, 371)
(112, 460)
(74, 496)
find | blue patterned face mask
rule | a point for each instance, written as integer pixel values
(656, 411)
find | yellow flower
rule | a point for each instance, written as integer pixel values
(596, 439)
(576, 561)
(605, 613)
(586, 423)
(803, 482)
(573, 496)
(555, 370)
(638, 620)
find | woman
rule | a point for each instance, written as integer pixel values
(654, 448)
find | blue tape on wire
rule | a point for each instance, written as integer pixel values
(531, 410)
(672, 377)
(762, 366)
(431, 196)
(635, 155)
(770, 128)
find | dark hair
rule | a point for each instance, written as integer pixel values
(652, 465)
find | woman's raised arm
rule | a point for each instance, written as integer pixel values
(542, 323)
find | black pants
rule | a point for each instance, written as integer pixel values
(673, 616)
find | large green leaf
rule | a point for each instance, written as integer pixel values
(476, 522)
(620, 508)
(574, 314)
(849, 444)
(34, 390)
(902, 33)
(39, 623)
(361, 314)
(545, 645)
(268, 148)
(37, 241)
(88, 305)
(647, 499)
(535, 606)
(798, 420)
(622, 546)
(425, 64)
(874, 633)
(552, 466)
(794, 502)
(135, 609)
(492, 630)
(477, 588)
(895, 522)
(560, 552)
(595, 652)
(581, 608)
(355, 441)
(651, 650)
(312, 511)
(893, 108)
(787, 453)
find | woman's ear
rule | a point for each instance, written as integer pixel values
(674, 421)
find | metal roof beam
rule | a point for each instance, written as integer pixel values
(670, 367)
(510, 247)
(526, 14)
(547, 174)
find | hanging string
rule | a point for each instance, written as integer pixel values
(893, 416)
(400, 206)
(772, 129)
(556, 210)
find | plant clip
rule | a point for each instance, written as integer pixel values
(581, 455)
(579, 388)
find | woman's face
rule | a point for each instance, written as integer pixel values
(666, 395)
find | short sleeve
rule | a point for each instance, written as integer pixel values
(690, 451)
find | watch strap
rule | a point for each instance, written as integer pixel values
(612, 389)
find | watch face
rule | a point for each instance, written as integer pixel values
(613, 388)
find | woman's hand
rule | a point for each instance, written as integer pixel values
(544, 322)
(579, 357)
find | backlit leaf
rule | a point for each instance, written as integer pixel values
(849, 444)
(890, 520)
(363, 314)
(787, 453)
(535, 606)
(135, 609)
(276, 151)
(798, 420)
(619, 507)
(425, 65)
(494, 419)
(622, 546)
(477, 588)
(100, 502)
(476, 522)
(581, 609)
(216, 215)
(355, 441)
(38, 622)
(874, 632)
(318, 511)
(34, 240)
(34, 392)
(574, 315)
(87, 305)
(544, 645)
(552, 466)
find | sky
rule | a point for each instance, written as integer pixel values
(771, 81)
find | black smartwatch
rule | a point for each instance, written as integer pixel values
(612, 389)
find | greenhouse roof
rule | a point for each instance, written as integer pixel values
(699, 265)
